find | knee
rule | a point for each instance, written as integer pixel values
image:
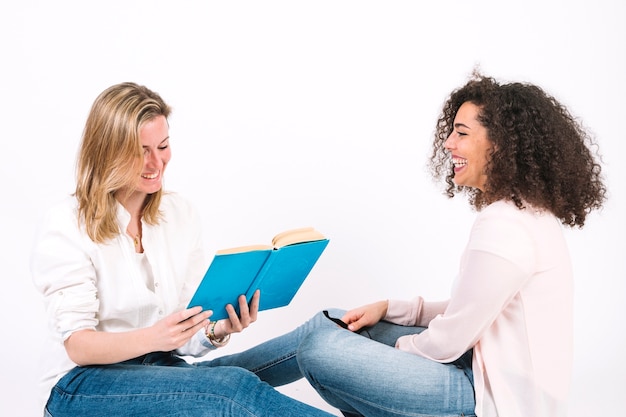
(319, 349)
(234, 376)
(319, 320)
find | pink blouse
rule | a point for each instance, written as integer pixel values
(512, 302)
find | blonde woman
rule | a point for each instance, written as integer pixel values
(116, 264)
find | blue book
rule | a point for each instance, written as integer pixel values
(278, 270)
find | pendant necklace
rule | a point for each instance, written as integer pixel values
(136, 238)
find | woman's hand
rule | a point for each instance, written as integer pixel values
(247, 316)
(90, 347)
(176, 329)
(365, 316)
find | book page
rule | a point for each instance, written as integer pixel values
(247, 248)
(289, 237)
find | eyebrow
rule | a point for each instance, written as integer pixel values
(160, 143)
(457, 125)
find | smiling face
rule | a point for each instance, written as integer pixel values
(154, 138)
(469, 148)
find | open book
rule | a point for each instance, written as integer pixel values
(278, 270)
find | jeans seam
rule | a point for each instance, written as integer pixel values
(273, 363)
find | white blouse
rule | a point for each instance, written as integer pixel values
(109, 287)
(512, 301)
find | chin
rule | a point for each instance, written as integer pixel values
(152, 190)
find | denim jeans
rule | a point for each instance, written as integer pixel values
(362, 375)
(162, 384)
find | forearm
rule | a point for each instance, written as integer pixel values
(416, 312)
(90, 347)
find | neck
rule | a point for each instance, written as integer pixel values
(133, 202)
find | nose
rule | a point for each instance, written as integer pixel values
(450, 142)
(150, 159)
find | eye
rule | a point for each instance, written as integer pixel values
(163, 147)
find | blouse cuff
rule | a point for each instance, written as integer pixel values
(404, 312)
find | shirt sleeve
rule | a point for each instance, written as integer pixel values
(63, 272)
(495, 265)
(198, 345)
(416, 312)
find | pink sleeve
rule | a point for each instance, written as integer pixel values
(416, 312)
(494, 267)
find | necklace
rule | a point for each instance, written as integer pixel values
(135, 237)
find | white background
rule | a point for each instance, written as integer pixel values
(293, 113)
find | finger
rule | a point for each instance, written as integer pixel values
(233, 319)
(195, 319)
(193, 328)
(350, 317)
(357, 325)
(244, 311)
(254, 305)
(185, 314)
(355, 320)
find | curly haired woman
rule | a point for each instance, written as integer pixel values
(502, 344)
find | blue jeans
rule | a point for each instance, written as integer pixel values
(359, 376)
(162, 384)
(362, 375)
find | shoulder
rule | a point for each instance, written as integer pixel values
(501, 208)
(504, 230)
(508, 213)
(498, 214)
(61, 214)
(59, 232)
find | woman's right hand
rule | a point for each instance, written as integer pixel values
(365, 316)
(176, 329)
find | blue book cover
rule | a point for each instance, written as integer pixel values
(278, 271)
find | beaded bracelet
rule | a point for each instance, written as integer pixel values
(209, 330)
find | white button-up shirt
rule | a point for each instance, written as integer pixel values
(102, 287)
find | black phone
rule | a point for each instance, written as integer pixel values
(334, 320)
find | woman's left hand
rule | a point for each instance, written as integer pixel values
(247, 316)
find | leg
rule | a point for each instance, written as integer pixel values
(362, 377)
(164, 385)
(274, 361)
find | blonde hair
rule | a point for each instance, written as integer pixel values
(110, 156)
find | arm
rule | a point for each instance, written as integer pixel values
(64, 266)
(498, 261)
(367, 315)
(416, 312)
(488, 283)
(90, 347)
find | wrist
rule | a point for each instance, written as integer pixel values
(213, 334)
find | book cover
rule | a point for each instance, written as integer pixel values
(277, 272)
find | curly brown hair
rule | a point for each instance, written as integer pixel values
(541, 155)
